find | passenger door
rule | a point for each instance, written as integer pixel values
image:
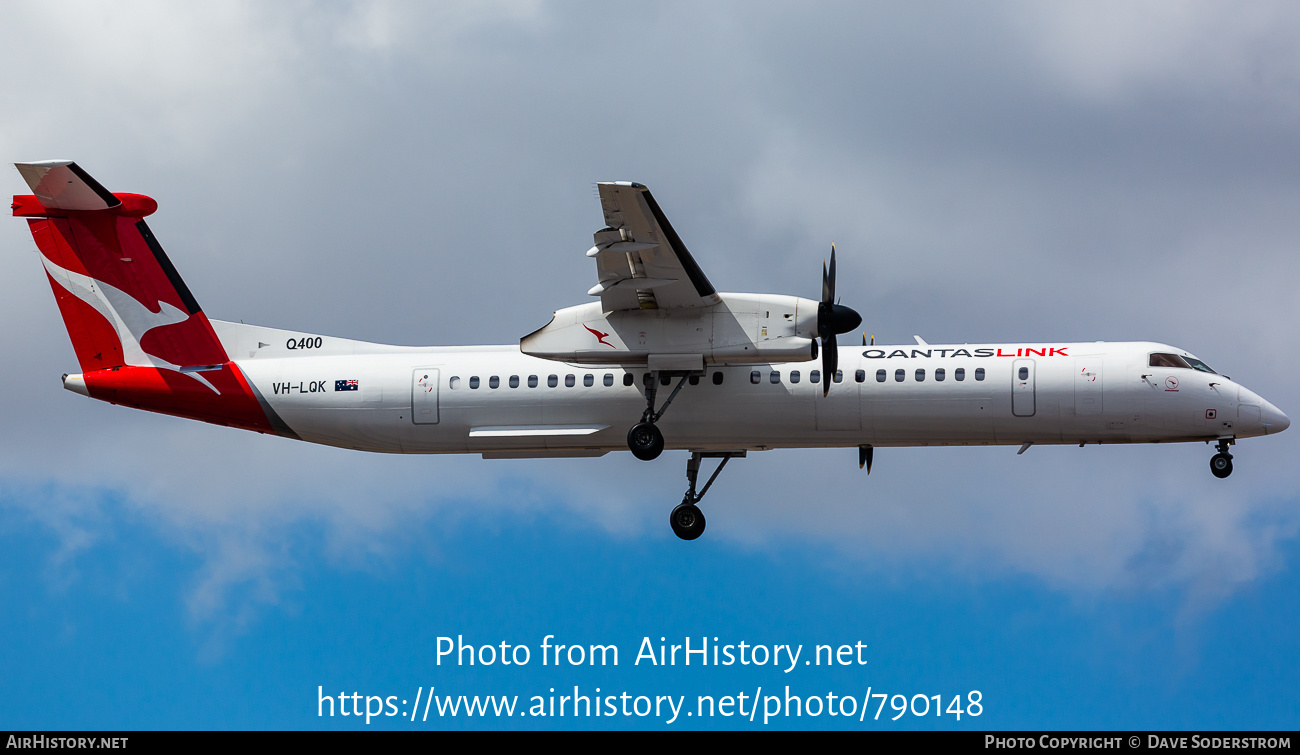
(424, 396)
(1022, 388)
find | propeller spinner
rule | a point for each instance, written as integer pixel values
(832, 319)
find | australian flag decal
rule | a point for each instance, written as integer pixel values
(345, 385)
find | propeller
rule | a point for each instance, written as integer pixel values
(832, 319)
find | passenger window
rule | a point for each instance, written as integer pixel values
(552, 381)
(959, 374)
(609, 379)
(860, 376)
(588, 380)
(665, 380)
(628, 380)
(839, 376)
(775, 377)
(920, 376)
(717, 378)
(900, 375)
(1024, 373)
(693, 380)
(532, 381)
(755, 377)
(979, 373)
(815, 376)
(454, 383)
(494, 382)
(570, 381)
(880, 376)
(939, 374)
(514, 381)
(794, 376)
(473, 382)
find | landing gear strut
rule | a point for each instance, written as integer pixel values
(644, 439)
(1221, 463)
(687, 520)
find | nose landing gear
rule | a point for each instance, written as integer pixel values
(1221, 463)
(687, 520)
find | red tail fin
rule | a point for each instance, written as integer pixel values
(140, 336)
(121, 298)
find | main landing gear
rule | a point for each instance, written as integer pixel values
(1221, 463)
(646, 443)
(687, 520)
(644, 439)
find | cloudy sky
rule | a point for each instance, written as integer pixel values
(420, 173)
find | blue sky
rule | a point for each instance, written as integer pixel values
(990, 172)
(111, 647)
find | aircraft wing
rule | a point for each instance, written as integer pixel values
(641, 263)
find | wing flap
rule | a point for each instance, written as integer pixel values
(641, 262)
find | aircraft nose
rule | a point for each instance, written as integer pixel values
(1274, 420)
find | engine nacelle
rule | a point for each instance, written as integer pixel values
(741, 329)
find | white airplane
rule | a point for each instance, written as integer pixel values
(740, 372)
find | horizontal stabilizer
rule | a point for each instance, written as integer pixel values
(62, 185)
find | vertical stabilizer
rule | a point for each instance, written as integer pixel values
(140, 336)
(121, 298)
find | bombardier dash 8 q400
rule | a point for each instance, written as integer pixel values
(740, 372)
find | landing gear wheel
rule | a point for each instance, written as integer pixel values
(1221, 465)
(687, 521)
(645, 441)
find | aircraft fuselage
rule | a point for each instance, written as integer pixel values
(496, 401)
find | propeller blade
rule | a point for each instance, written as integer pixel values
(864, 457)
(832, 320)
(830, 297)
(830, 362)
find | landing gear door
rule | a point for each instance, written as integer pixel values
(424, 396)
(1022, 388)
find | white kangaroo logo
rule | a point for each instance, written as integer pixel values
(129, 317)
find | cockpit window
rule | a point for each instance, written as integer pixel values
(1168, 360)
(1185, 362)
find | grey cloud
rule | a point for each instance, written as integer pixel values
(989, 172)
